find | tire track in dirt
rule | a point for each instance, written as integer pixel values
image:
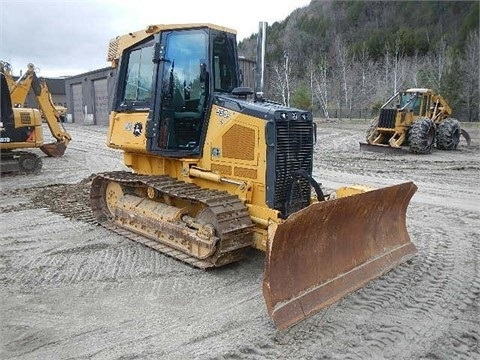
(420, 295)
(124, 300)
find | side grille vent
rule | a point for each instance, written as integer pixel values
(25, 118)
(239, 143)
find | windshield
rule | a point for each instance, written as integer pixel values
(186, 51)
(224, 67)
(411, 101)
(184, 89)
(138, 82)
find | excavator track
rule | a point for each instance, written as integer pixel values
(22, 162)
(202, 227)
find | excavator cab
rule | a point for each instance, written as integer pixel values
(6, 110)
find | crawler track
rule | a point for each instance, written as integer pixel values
(177, 237)
(20, 162)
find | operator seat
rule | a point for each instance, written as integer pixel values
(194, 115)
(188, 125)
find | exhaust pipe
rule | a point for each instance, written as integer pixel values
(260, 61)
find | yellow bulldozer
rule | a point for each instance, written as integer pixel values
(417, 119)
(218, 169)
(21, 128)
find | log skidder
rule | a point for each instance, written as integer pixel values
(416, 119)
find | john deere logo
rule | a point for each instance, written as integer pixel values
(137, 129)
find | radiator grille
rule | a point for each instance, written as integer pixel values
(387, 118)
(294, 151)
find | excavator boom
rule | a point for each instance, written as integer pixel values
(19, 90)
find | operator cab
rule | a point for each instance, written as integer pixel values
(6, 111)
(172, 75)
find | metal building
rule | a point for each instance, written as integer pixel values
(89, 97)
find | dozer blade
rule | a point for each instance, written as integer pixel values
(54, 149)
(383, 148)
(332, 248)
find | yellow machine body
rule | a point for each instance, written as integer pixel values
(30, 119)
(240, 169)
(220, 173)
(50, 113)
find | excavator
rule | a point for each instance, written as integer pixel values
(217, 169)
(22, 127)
(415, 120)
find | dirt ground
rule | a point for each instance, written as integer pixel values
(70, 289)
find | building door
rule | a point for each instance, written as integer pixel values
(100, 96)
(77, 97)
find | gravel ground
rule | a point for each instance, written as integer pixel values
(70, 289)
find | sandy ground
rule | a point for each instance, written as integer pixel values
(70, 289)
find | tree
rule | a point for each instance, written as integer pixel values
(342, 68)
(280, 81)
(301, 98)
(470, 74)
(319, 84)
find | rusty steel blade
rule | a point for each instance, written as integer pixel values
(332, 248)
(386, 149)
(54, 149)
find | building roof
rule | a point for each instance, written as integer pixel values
(56, 86)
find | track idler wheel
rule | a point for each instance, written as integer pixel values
(29, 163)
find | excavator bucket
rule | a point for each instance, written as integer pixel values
(54, 149)
(332, 248)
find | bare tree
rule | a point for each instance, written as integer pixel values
(414, 66)
(470, 79)
(343, 67)
(397, 68)
(319, 83)
(365, 75)
(438, 65)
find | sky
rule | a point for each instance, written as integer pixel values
(70, 37)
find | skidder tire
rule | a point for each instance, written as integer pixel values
(448, 134)
(421, 136)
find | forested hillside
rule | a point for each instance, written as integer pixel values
(345, 58)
